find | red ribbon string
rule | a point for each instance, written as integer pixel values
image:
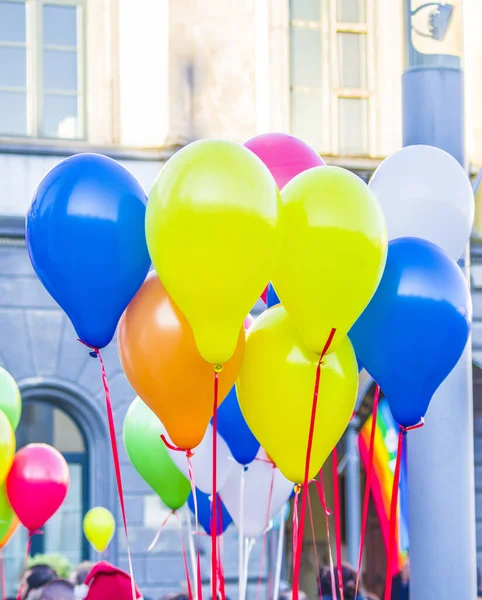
(265, 535)
(321, 493)
(368, 485)
(392, 536)
(214, 563)
(222, 580)
(336, 502)
(115, 455)
(184, 556)
(297, 558)
(25, 561)
(295, 521)
(189, 455)
(315, 549)
(2, 575)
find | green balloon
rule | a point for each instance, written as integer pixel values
(10, 399)
(149, 457)
(6, 513)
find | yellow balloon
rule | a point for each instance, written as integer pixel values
(7, 446)
(333, 253)
(275, 390)
(213, 236)
(99, 527)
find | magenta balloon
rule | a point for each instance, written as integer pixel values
(37, 484)
(284, 155)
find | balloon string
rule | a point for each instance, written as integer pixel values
(297, 557)
(336, 510)
(220, 539)
(265, 535)
(115, 455)
(214, 522)
(321, 492)
(25, 561)
(158, 534)
(189, 455)
(392, 536)
(315, 549)
(184, 554)
(368, 485)
(2, 575)
(280, 553)
(295, 522)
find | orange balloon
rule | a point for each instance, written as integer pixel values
(161, 360)
(11, 530)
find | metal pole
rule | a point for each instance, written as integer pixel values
(353, 499)
(440, 455)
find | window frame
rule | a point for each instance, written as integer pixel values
(34, 89)
(332, 92)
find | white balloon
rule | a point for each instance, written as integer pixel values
(425, 193)
(202, 462)
(257, 484)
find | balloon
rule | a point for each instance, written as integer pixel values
(425, 193)
(416, 327)
(7, 446)
(273, 299)
(213, 236)
(7, 517)
(162, 363)
(223, 518)
(202, 462)
(99, 527)
(10, 399)
(284, 155)
(275, 391)
(10, 532)
(266, 491)
(149, 457)
(37, 484)
(282, 516)
(333, 253)
(86, 240)
(235, 432)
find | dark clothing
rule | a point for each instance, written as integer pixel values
(400, 589)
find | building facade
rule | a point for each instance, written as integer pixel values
(137, 80)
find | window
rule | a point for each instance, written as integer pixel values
(42, 69)
(329, 74)
(42, 422)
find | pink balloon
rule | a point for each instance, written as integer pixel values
(37, 484)
(248, 322)
(284, 155)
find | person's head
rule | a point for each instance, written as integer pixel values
(348, 576)
(105, 582)
(35, 578)
(59, 589)
(80, 573)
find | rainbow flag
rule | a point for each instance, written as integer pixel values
(384, 460)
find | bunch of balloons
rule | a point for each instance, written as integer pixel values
(224, 224)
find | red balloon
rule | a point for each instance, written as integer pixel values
(37, 484)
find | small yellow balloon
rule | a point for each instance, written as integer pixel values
(213, 236)
(333, 253)
(275, 391)
(7, 446)
(99, 527)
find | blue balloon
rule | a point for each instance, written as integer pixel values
(235, 431)
(86, 240)
(204, 512)
(416, 326)
(272, 299)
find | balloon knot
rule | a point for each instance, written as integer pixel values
(297, 488)
(189, 454)
(93, 354)
(218, 368)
